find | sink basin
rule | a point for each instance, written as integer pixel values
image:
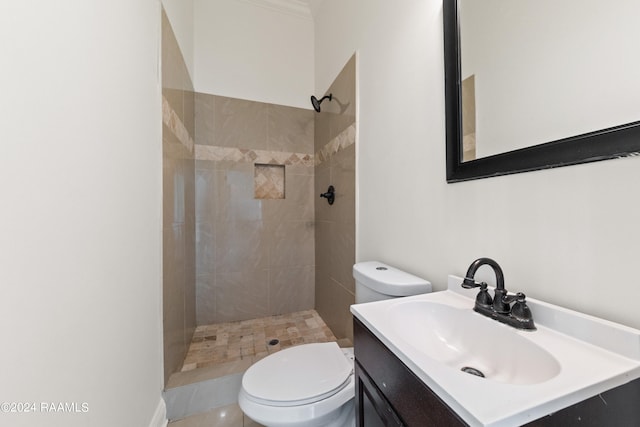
(527, 374)
(463, 339)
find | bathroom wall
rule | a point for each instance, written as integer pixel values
(178, 200)
(254, 209)
(259, 50)
(335, 148)
(566, 235)
(80, 178)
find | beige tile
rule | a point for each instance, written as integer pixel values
(290, 129)
(241, 246)
(226, 416)
(204, 129)
(214, 346)
(298, 203)
(269, 181)
(241, 295)
(342, 255)
(292, 244)
(322, 130)
(205, 298)
(332, 303)
(189, 106)
(240, 123)
(234, 194)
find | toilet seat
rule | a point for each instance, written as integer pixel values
(298, 375)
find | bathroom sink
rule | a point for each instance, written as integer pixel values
(468, 342)
(571, 356)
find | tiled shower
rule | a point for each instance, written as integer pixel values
(254, 209)
(245, 232)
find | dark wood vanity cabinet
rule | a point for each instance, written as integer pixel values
(389, 394)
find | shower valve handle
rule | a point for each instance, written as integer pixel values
(330, 195)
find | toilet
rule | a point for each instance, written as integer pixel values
(313, 385)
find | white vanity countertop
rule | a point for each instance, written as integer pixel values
(594, 355)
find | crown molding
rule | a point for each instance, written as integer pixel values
(298, 8)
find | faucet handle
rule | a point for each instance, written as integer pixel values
(483, 298)
(520, 310)
(519, 297)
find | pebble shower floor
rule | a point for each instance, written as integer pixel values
(233, 341)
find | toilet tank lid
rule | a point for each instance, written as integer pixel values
(389, 280)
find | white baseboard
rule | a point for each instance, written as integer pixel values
(160, 415)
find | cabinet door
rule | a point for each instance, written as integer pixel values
(372, 409)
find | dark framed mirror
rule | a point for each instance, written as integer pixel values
(612, 142)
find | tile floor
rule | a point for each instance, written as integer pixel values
(226, 416)
(225, 348)
(253, 339)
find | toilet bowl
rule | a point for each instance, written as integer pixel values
(313, 385)
(309, 385)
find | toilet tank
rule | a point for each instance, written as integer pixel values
(376, 281)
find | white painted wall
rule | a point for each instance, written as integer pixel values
(80, 223)
(180, 14)
(555, 74)
(569, 236)
(242, 50)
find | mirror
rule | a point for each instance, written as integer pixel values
(509, 100)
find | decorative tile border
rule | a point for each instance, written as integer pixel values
(215, 153)
(173, 122)
(219, 154)
(345, 139)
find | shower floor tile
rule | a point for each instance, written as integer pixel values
(252, 339)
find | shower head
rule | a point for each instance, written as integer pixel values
(316, 103)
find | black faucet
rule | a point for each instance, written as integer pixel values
(499, 307)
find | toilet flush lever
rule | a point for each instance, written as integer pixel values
(330, 195)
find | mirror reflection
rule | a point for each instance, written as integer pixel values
(534, 71)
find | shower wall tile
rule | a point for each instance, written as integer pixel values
(323, 242)
(204, 118)
(291, 289)
(205, 298)
(335, 136)
(242, 294)
(239, 123)
(179, 251)
(321, 130)
(263, 249)
(290, 129)
(335, 302)
(292, 244)
(205, 248)
(342, 254)
(241, 246)
(236, 201)
(206, 192)
(342, 171)
(296, 206)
